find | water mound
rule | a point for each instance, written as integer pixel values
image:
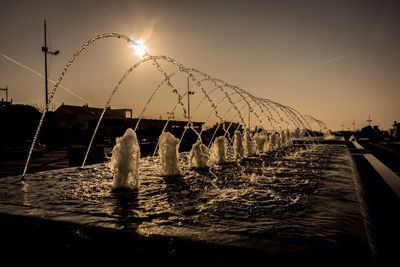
(125, 161)
(169, 155)
(199, 156)
(218, 151)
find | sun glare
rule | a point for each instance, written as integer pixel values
(140, 47)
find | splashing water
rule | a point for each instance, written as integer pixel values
(226, 102)
(125, 161)
(169, 155)
(218, 151)
(259, 139)
(238, 146)
(56, 85)
(267, 147)
(248, 145)
(275, 141)
(198, 156)
(288, 204)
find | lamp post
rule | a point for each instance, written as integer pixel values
(46, 51)
(188, 94)
(5, 89)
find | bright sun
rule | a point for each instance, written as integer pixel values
(140, 47)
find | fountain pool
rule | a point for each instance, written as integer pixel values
(261, 200)
(297, 205)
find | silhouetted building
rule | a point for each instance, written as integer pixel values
(70, 124)
(73, 126)
(395, 131)
(5, 104)
(18, 124)
(226, 129)
(69, 115)
(371, 132)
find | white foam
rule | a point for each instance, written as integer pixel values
(218, 151)
(248, 145)
(125, 161)
(168, 152)
(198, 156)
(238, 145)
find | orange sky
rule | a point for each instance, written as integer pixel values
(334, 60)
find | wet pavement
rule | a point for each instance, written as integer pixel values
(50, 160)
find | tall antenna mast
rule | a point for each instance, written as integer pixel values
(369, 120)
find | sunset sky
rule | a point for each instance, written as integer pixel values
(334, 60)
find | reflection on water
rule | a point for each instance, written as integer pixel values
(302, 194)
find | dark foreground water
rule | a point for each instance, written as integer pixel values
(302, 201)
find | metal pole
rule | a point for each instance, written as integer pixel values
(45, 49)
(188, 95)
(5, 89)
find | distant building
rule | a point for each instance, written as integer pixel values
(69, 124)
(395, 131)
(74, 125)
(70, 115)
(18, 124)
(371, 132)
(5, 104)
(220, 129)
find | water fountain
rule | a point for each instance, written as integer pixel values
(218, 151)
(279, 201)
(248, 144)
(169, 155)
(238, 146)
(198, 156)
(259, 140)
(125, 161)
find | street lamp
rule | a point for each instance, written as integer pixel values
(188, 94)
(5, 89)
(46, 51)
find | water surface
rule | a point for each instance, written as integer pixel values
(296, 197)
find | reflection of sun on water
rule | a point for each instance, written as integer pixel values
(25, 190)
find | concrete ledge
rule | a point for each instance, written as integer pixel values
(381, 206)
(357, 145)
(384, 172)
(387, 174)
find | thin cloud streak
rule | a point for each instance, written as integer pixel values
(40, 75)
(335, 59)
